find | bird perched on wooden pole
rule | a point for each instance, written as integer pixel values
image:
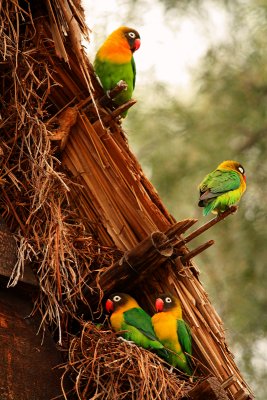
(114, 62)
(222, 188)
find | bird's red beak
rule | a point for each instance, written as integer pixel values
(137, 44)
(109, 305)
(245, 178)
(159, 305)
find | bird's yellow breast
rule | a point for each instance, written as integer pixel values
(165, 327)
(117, 318)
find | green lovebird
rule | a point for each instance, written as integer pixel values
(173, 332)
(128, 316)
(114, 62)
(222, 188)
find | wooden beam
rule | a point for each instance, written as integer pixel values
(27, 361)
(209, 389)
(209, 224)
(152, 252)
(191, 254)
(137, 263)
(143, 259)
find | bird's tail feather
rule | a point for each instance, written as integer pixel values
(208, 208)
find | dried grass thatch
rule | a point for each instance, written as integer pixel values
(77, 199)
(106, 368)
(35, 196)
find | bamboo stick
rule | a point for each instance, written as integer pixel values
(210, 389)
(136, 264)
(211, 223)
(188, 256)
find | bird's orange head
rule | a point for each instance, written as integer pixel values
(231, 165)
(120, 45)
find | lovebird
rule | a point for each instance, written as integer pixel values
(222, 188)
(114, 62)
(173, 332)
(128, 316)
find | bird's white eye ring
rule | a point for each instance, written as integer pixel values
(132, 35)
(116, 298)
(241, 169)
(168, 300)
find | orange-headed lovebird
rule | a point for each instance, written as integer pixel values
(129, 317)
(114, 62)
(173, 332)
(222, 188)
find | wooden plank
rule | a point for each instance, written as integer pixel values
(210, 389)
(27, 360)
(136, 264)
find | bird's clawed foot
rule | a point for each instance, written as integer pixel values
(122, 84)
(130, 342)
(233, 209)
(229, 210)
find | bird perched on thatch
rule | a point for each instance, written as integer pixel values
(173, 332)
(222, 188)
(127, 316)
(114, 62)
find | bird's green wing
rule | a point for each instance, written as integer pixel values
(184, 336)
(107, 73)
(138, 318)
(218, 182)
(134, 71)
(111, 73)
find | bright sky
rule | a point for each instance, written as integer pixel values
(168, 51)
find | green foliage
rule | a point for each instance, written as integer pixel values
(178, 143)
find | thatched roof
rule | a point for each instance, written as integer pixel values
(79, 205)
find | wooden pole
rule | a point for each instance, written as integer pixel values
(209, 224)
(137, 263)
(209, 389)
(191, 254)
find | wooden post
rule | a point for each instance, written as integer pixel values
(27, 361)
(209, 389)
(144, 258)
(136, 264)
(152, 252)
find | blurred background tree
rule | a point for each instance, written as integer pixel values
(179, 135)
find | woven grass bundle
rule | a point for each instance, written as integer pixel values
(107, 368)
(35, 201)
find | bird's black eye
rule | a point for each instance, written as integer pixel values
(132, 35)
(116, 298)
(168, 300)
(241, 169)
